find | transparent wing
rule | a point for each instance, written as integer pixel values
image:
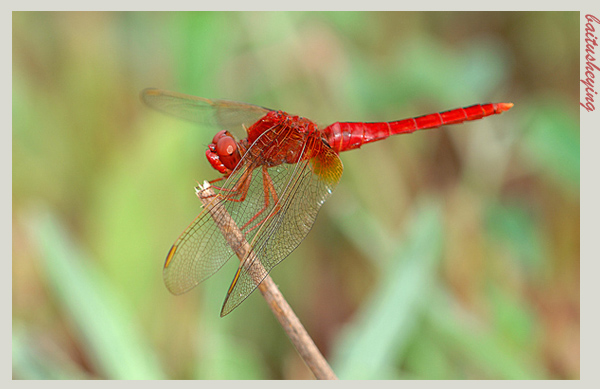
(197, 254)
(229, 115)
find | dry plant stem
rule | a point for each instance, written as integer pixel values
(304, 344)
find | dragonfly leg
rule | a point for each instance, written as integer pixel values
(212, 183)
(268, 188)
(217, 180)
(240, 189)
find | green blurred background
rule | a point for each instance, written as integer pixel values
(445, 254)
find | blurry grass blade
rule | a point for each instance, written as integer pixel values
(551, 144)
(424, 360)
(221, 354)
(477, 346)
(513, 229)
(226, 358)
(361, 227)
(103, 321)
(30, 362)
(514, 319)
(368, 346)
(431, 68)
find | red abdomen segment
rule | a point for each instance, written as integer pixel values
(348, 136)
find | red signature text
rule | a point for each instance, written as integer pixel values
(591, 40)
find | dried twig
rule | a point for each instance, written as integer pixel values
(304, 344)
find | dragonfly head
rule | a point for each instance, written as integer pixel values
(223, 153)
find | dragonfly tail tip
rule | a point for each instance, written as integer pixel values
(502, 107)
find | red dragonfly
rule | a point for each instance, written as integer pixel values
(274, 180)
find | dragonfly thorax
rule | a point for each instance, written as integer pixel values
(281, 138)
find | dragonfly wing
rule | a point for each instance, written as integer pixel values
(197, 254)
(229, 115)
(201, 250)
(299, 190)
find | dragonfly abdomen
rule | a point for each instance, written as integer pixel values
(348, 136)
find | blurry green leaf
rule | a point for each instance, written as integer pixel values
(101, 316)
(221, 354)
(368, 346)
(426, 359)
(224, 358)
(551, 144)
(473, 345)
(482, 67)
(514, 320)
(30, 362)
(144, 198)
(432, 69)
(360, 227)
(201, 42)
(514, 227)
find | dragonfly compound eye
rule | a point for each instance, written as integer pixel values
(228, 153)
(219, 135)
